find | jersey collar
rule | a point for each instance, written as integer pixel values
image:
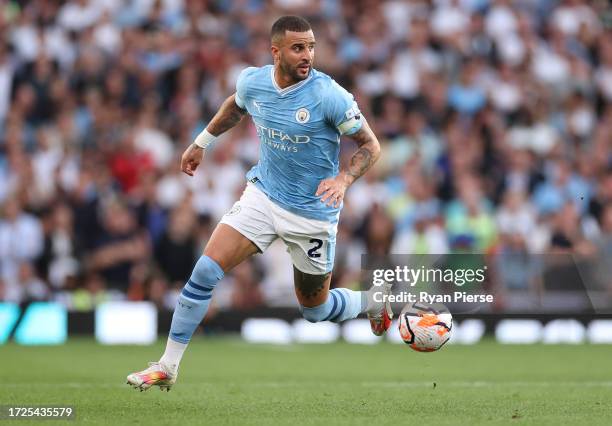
(288, 88)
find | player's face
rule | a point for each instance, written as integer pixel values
(295, 54)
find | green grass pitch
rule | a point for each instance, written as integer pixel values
(227, 381)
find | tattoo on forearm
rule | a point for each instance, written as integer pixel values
(227, 117)
(366, 155)
(360, 162)
(309, 286)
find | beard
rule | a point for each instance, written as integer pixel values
(294, 71)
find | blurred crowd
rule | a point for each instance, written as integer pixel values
(494, 116)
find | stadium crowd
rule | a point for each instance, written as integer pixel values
(494, 116)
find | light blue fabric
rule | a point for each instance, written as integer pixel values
(466, 99)
(192, 304)
(550, 197)
(342, 304)
(299, 128)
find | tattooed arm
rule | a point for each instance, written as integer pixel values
(366, 155)
(332, 190)
(228, 116)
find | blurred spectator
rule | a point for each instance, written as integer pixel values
(568, 233)
(177, 250)
(120, 246)
(31, 287)
(602, 197)
(466, 95)
(519, 237)
(7, 72)
(426, 236)
(468, 217)
(92, 293)
(516, 220)
(127, 164)
(21, 242)
(157, 292)
(59, 259)
(246, 292)
(379, 231)
(562, 186)
(604, 244)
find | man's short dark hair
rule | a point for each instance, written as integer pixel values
(288, 23)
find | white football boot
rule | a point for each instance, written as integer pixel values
(380, 314)
(155, 375)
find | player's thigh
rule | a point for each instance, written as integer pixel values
(311, 244)
(228, 247)
(243, 231)
(312, 259)
(311, 289)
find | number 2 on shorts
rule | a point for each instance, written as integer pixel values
(317, 245)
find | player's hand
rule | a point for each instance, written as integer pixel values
(332, 190)
(191, 159)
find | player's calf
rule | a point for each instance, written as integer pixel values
(318, 303)
(342, 304)
(191, 307)
(194, 299)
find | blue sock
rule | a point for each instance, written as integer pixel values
(341, 304)
(192, 304)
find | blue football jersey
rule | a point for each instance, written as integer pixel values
(299, 128)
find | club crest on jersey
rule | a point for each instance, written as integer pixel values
(302, 115)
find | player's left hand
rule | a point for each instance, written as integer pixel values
(332, 190)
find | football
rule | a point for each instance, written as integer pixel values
(425, 327)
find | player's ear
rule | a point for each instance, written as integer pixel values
(275, 52)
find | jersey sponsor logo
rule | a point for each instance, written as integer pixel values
(277, 135)
(279, 146)
(302, 115)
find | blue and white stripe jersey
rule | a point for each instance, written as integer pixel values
(299, 128)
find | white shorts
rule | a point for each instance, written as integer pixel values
(311, 243)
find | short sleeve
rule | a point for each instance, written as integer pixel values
(241, 87)
(342, 110)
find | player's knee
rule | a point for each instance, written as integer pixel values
(206, 272)
(205, 276)
(315, 314)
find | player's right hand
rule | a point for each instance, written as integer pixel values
(191, 159)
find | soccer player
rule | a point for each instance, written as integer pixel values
(294, 192)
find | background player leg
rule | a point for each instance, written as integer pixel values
(226, 249)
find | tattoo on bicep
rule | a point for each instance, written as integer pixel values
(308, 285)
(230, 117)
(227, 117)
(235, 114)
